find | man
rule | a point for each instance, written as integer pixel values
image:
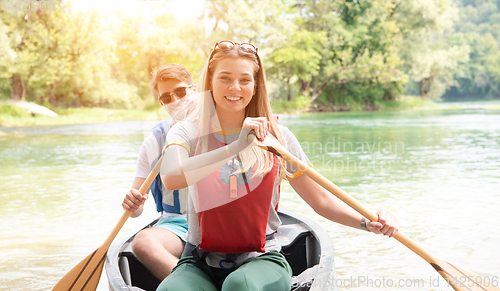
(160, 247)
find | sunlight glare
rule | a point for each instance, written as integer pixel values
(181, 9)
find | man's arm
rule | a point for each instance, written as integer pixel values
(134, 200)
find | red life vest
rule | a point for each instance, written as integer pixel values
(230, 224)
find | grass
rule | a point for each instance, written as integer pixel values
(302, 104)
(14, 116)
(408, 102)
(297, 105)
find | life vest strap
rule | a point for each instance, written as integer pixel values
(190, 247)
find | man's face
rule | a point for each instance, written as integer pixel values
(169, 86)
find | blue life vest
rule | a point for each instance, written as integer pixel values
(160, 193)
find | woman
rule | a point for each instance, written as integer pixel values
(233, 215)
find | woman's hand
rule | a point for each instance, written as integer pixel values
(387, 224)
(259, 125)
(133, 200)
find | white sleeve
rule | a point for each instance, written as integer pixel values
(183, 133)
(293, 146)
(147, 155)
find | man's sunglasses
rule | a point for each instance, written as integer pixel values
(180, 92)
(226, 45)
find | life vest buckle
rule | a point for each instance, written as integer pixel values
(230, 259)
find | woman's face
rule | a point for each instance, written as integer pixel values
(233, 85)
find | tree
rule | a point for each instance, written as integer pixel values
(52, 47)
(362, 44)
(146, 42)
(479, 29)
(7, 52)
(298, 58)
(20, 30)
(315, 45)
(429, 58)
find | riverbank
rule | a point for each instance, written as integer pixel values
(300, 105)
(403, 103)
(13, 117)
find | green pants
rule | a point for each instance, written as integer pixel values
(267, 272)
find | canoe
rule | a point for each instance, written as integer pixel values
(306, 246)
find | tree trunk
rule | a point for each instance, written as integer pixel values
(52, 94)
(430, 83)
(492, 86)
(17, 89)
(304, 87)
(316, 90)
(426, 86)
(314, 96)
(423, 92)
(80, 99)
(289, 87)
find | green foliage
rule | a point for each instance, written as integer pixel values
(15, 116)
(145, 43)
(479, 29)
(429, 57)
(318, 45)
(14, 111)
(364, 93)
(407, 102)
(63, 57)
(298, 58)
(361, 44)
(298, 104)
(69, 57)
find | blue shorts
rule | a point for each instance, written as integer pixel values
(176, 224)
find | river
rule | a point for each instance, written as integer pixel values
(437, 170)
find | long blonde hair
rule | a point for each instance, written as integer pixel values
(259, 106)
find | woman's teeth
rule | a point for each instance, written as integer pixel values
(233, 98)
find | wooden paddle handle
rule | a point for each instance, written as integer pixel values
(151, 177)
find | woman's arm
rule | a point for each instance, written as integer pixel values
(178, 170)
(332, 208)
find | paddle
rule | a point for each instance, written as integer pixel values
(85, 276)
(456, 277)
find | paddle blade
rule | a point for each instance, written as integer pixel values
(84, 276)
(463, 280)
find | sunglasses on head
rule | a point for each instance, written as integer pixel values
(226, 45)
(180, 92)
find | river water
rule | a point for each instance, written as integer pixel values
(437, 170)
